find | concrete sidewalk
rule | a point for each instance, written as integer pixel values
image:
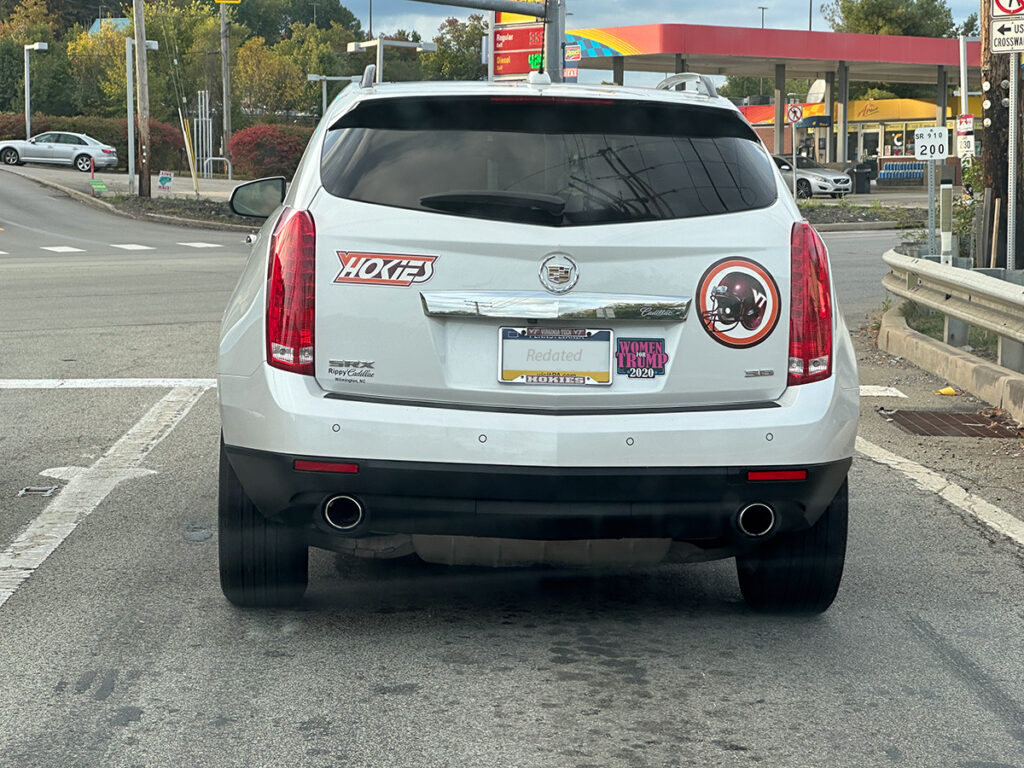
(117, 183)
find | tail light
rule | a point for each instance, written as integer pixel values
(810, 314)
(108, 151)
(291, 293)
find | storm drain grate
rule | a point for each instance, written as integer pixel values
(946, 424)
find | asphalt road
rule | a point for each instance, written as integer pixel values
(119, 650)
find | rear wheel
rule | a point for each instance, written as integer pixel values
(262, 563)
(83, 163)
(798, 571)
(803, 188)
(10, 157)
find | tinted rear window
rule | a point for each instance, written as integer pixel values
(560, 162)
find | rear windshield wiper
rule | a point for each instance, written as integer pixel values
(468, 201)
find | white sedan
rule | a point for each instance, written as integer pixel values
(60, 148)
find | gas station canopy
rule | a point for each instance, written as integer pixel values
(754, 52)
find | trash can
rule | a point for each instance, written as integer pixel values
(862, 179)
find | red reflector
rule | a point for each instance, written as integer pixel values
(781, 474)
(326, 466)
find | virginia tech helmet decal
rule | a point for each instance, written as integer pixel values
(738, 302)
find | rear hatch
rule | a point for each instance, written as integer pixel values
(550, 253)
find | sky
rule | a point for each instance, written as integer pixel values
(390, 15)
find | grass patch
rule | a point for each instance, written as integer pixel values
(185, 208)
(985, 344)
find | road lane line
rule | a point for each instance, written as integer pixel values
(105, 383)
(870, 390)
(132, 247)
(201, 245)
(989, 514)
(62, 249)
(87, 489)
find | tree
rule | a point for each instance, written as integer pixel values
(458, 51)
(742, 87)
(919, 18)
(266, 81)
(29, 22)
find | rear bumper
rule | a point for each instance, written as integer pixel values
(530, 502)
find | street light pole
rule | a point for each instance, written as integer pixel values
(380, 42)
(28, 95)
(762, 8)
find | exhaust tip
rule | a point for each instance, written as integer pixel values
(343, 513)
(756, 520)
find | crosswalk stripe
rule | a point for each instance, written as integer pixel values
(62, 249)
(870, 390)
(132, 247)
(200, 245)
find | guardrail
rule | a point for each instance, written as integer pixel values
(966, 297)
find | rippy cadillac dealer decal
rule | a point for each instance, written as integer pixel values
(738, 302)
(384, 268)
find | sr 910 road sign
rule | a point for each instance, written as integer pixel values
(931, 143)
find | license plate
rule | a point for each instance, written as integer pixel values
(555, 356)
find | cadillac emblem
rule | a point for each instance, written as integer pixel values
(559, 273)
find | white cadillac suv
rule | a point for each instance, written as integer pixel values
(523, 323)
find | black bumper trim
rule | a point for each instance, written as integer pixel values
(521, 502)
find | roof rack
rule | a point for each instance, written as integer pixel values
(672, 82)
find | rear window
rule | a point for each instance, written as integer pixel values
(550, 161)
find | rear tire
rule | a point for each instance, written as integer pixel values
(262, 563)
(82, 163)
(803, 189)
(800, 571)
(10, 157)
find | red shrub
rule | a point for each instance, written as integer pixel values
(268, 150)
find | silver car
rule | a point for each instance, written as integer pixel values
(61, 148)
(813, 178)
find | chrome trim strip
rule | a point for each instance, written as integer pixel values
(534, 305)
(553, 411)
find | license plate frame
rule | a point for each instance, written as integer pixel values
(575, 357)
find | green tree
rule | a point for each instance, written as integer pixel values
(458, 51)
(266, 81)
(742, 87)
(919, 18)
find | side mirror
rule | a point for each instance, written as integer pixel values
(32, 140)
(259, 198)
(786, 167)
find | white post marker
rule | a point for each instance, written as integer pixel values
(931, 144)
(795, 113)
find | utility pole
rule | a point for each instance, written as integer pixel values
(143, 74)
(995, 70)
(225, 74)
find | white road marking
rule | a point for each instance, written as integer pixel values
(3, 253)
(989, 514)
(88, 487)
(62, 249)
(105, 383)
(869, 390)
(201, 245)
(132, 247)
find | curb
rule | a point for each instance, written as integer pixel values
(860, 226)
(994, 384)
(159, 218)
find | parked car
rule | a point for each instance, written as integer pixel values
(515, 323)
(813, 178)
(60, 148)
